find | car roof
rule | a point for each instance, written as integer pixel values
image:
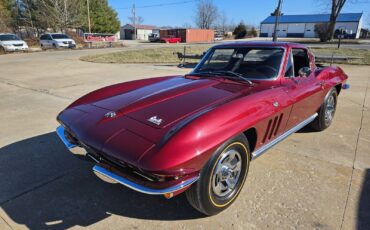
(6, 34)
(261, 43)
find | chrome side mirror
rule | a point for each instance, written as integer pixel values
(304, 72)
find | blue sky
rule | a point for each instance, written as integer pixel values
(251, 12)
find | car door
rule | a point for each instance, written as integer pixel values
(50, 41)
(305, 92)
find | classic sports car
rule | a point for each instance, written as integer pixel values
(198, 133)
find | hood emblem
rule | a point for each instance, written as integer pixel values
(110, 114)
(155, 120)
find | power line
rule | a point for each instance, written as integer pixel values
(159, 5)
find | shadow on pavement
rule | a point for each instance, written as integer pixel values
(363, 212)
(44, 186)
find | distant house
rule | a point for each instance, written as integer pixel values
(128, 32)
(300, 26)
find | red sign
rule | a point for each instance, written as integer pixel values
(99, 38)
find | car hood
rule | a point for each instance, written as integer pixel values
(145, 115)
(13, 42)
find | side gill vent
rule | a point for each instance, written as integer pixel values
(272, 128)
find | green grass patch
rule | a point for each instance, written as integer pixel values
(168, 55)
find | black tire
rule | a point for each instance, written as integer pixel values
(202, 196)
(324, 120)
(2, 50)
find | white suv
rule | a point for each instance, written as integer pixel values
(56, 41)
(11, 43)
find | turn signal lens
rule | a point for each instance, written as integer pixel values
(168, 195)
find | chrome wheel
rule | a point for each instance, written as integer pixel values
(227, 173)
(330, 109)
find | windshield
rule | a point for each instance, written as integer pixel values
(249, 62)
(8, 37)
(59, 36)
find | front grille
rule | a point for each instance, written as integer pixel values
(67, 42)
(17, 44)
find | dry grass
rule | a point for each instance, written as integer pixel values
(363, 55)
(167, 55)
(152, 55)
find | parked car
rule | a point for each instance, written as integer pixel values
(11, 43)
(219, 37)
(170, 39)
(56, 41)
(198, 133)
(154, 37)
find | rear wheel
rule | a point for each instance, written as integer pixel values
(222, 177)
(326, 112)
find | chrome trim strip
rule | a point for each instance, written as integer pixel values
(264, 148)
(60, 132)
(139, 188)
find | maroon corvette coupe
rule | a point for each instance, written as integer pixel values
(198, 133)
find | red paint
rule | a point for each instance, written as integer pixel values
(225, 108)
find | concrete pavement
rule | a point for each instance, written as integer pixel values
(310, 181)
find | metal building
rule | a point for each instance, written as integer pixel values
(142, 32)
(303, 26)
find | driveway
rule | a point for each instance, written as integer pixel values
(309, 181)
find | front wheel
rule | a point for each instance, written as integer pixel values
(326, 111)
(222, 178)
(2, 50)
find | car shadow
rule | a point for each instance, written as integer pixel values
(363, 211)
(44, 186)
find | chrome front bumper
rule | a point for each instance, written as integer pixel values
(100, 171)
(109, 176)
(77, 150)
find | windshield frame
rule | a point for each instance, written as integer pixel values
(211, 50)
(13, 35)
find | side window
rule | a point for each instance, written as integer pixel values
(50, 37)
(300, 60)
(289, 71)
(43, 37)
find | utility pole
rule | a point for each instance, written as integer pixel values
(277, 14)
(65, 14)
(134, 20)
(88, 15)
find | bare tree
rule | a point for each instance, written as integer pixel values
(137, 20)
(336, 8)
(186, 25)
(223, 22)
(206, 14)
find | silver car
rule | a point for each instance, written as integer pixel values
(11, 43)
(56, 41)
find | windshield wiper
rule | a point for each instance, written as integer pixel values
(238, 75)
(204, 73)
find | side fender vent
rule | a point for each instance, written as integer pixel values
(272, 128)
